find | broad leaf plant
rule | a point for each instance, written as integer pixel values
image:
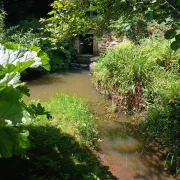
(14, 59)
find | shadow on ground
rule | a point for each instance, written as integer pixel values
(53, 155)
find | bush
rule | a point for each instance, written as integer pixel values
(30, 33)
(129, 66)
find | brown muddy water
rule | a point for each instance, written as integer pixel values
(74, 82)
(126, 157)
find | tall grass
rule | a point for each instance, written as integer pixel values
(72, 115)
(148, 76)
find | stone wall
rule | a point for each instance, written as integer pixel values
(106, 42)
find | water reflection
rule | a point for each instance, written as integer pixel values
(129, 158)
(75, 82)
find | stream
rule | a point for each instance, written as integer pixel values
(126, 157)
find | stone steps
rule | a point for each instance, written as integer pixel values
(83, 59)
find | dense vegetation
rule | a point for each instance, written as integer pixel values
(69, 18)
(30, 32)
(145, 76)
(14, 59)
(59, 148)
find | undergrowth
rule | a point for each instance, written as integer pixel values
(146, 77)
(60, 148)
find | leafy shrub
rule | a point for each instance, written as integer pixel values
(110, 73)
(61, 54)
(121, 70)
(13, 60)
(27, 39)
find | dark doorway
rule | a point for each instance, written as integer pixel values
(86, 44)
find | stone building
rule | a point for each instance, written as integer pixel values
(90, 44)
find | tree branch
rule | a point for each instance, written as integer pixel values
(172, 6)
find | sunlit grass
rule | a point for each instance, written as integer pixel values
(72, 115)
(62, 147)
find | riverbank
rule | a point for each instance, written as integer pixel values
(125, 149)
(145, 77)
(84, 139)
(61, 148)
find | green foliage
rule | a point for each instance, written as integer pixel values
(26, 38)
(13, 141)
(60, 148)
(14, 111)
(134, 29)
(120, 70)
(72, 114)
(61, 54)
(162, 123)
(111, 69)
(2, 17)
(153, 67)
(69, 18)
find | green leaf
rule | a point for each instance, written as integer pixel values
(45, 60)
(38, 110)
(177, 2)
(21, 66)
(24, 89)
(175, 45)
(177, 37)
(13, 141)
(170, 34)
(11, 111)
(10, 79)
(5, 144)
(12, 46)
(35, 48)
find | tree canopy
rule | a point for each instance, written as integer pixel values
(72, 17)
(19, 10)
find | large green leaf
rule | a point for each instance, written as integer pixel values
(14, 59)
(10, 105)
(18, 55)
(44, 57)
(12, 141)
(170, 34)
